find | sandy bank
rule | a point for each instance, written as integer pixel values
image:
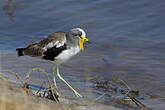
(15, 98)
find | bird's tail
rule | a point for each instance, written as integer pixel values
(20, 51)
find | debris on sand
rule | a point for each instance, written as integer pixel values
(124, 95)
(13, 97)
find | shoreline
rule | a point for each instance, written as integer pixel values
(13, 97)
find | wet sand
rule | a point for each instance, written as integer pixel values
(15, 98)
(21, 65)
(21, 100)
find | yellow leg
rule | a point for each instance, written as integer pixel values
(58, 74)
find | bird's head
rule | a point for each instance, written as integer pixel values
(81, 35)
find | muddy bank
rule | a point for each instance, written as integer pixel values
(15, 98)
(81, 82)
(11, 62)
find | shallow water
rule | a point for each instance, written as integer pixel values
(127, 41)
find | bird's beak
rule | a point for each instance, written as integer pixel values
(81, 42)
(85, 39)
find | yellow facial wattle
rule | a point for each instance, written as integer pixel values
(81, 42)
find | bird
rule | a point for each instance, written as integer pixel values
(57, 48)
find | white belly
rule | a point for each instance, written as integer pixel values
(66, 54)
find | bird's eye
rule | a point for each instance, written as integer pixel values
(77, 33)
(80, 34)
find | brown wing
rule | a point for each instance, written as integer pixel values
(56, 37)
(37, 49)
(33, 50)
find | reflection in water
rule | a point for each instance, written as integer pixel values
(10, 8)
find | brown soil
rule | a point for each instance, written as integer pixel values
(16, 98)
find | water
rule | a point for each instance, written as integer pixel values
(127, 40)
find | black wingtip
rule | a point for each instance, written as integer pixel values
(20, 51)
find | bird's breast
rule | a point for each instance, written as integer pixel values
(67, 54)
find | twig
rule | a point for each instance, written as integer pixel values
(126, 85)
(14, 73)
(4, 76)
(96, 99)
(136, 101)
(50, 84)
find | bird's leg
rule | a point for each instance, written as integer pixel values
(54, 80)
(58, 74)
(54, 75)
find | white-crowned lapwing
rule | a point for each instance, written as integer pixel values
(58, 47)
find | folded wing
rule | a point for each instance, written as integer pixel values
(47, 48)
